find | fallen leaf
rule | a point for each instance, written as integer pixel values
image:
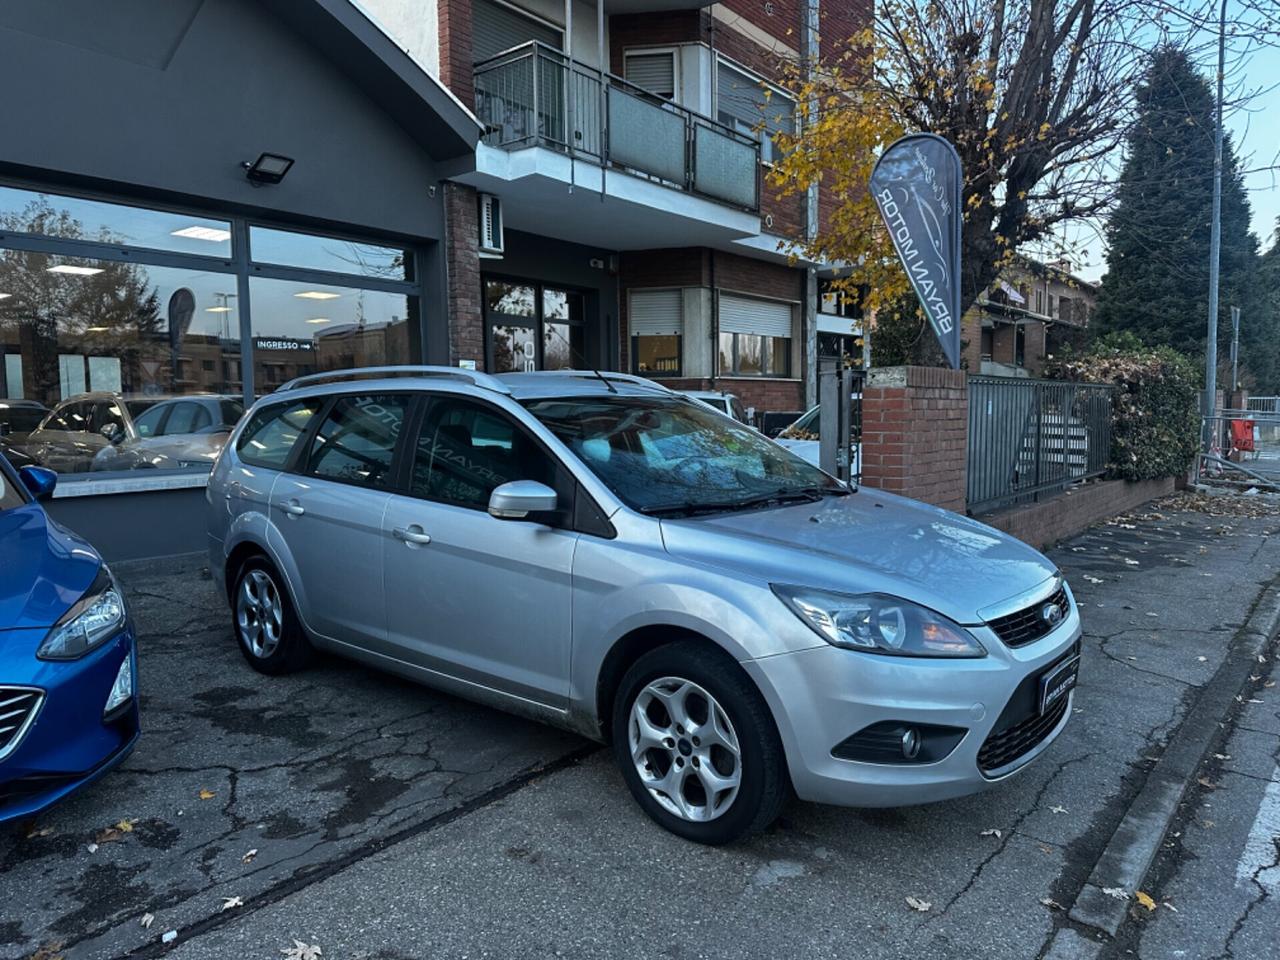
(1222, 756)
(1057, 809)
(169, 936)
(304, 951)
(992, 833)
(1253, 701)
(108, 835)
(206, 794)
(1046, 849)
(1202, 659)
(230, 903)
(1093, 579)
(126, 826)
(1144, 899)
(1206, 783)
(48, 951)
(1152, 613)
(248, 857)
(1051, 903)
(1131, 563)
(1116, 893)
(33, 832)
(915, 903)
(92, 848)
(147, 920)
(1169, 906)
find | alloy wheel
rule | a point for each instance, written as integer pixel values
(685, 749)
(259, 615)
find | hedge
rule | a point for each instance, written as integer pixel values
(1155, 425)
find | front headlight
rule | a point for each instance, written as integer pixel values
(876, 623)
(91, 621)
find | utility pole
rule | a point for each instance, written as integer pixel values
(1235, 349)
(1215, 237)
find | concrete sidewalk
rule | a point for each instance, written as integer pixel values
(489, 861)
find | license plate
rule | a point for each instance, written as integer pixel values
(1058, 682)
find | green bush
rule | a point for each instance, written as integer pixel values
(1155, 424)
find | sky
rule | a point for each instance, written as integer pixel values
(1253, 131)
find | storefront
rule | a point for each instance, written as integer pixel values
(209, 198)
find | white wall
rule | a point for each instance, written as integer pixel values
(413, 24)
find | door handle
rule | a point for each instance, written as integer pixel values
(233, 489)
(293, 508)
(412, 535)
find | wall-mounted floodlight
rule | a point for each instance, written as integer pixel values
(268, 168)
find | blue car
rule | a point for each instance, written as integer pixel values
(68, 660)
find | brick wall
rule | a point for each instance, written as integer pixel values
(652, 30)
(462, 239)
(915, 425)
(970, 341)
(766, 395)
(1046, 523)
(456, 64)
(735, 272)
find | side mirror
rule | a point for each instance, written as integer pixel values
(519, 498)
(112, 432)
(39, 481)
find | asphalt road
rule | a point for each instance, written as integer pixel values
(393, 822)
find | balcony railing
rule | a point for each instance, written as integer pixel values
(530, 96)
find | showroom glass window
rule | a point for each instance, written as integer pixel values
(534, 327)
(107, 298)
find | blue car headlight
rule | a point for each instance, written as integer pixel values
(876, 623)
(92, 620)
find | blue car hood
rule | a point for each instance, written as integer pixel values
(44, 568)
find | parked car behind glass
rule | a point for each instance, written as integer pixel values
(186, 431)
(726, 403)
(68, 711)
(600, 553)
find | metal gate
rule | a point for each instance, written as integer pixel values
(1242, 447)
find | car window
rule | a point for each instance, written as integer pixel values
(10, 495)
(15, 419)
(671, 454)
(231, 410)
(72, 417)
(356, 443)
(466, 449)
(269, 436)
(806, 428)
(148, 424)
(107, 411)
(736, 410)
(182, 419)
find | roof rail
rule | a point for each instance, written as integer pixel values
(607, 375)
(474, 377)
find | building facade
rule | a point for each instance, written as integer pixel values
(1028, 315)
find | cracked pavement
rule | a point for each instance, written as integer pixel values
(391, 821)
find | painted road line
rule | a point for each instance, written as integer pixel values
(1258, 861)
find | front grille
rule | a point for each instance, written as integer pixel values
(1028, 624)
(18, 706)
(23, 788)
(1011, 743)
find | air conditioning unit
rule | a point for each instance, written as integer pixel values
(490, 225)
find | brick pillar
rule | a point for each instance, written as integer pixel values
(462, 253)
(915, 431)
(456, 64)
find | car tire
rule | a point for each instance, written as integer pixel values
(267, 629)
(684, 689)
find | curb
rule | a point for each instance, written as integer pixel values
(1133, 847)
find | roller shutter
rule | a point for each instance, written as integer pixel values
(768, 318)
(656, 313)
(496, 27)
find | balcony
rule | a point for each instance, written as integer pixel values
(530, 96)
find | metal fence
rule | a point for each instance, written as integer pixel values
(1029, 437)
(533, 95)
(1243, 447)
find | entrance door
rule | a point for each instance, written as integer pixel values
(468, 595)
(534, 327)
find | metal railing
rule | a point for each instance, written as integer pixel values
(1264, 405)
(1030, 437)
(531, 96)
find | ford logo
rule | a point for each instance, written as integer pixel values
(1051, 614)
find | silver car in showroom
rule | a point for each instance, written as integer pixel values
(595, 551)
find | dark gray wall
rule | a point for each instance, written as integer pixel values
(543, 259)
(169, 96)
(133, 526)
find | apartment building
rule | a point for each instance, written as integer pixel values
(617, 215)
(1031, 312)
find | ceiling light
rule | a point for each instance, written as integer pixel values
(317, 295)
(217, 309)
(318, 320)
(195, 232)
(74, 270)
(268, 168)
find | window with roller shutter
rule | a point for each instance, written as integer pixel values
(754, 337)
(656, 322)
(652, 70)
(496, 27)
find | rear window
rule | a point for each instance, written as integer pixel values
(269, 436)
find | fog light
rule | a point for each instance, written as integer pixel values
(911, 743)
(122, 689)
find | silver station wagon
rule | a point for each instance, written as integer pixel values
(597, 552)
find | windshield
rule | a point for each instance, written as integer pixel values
(806, 428)
(670, 455)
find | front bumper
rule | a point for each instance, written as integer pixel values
(821, 696)
(70, 743)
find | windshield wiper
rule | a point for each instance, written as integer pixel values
(784, 495)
